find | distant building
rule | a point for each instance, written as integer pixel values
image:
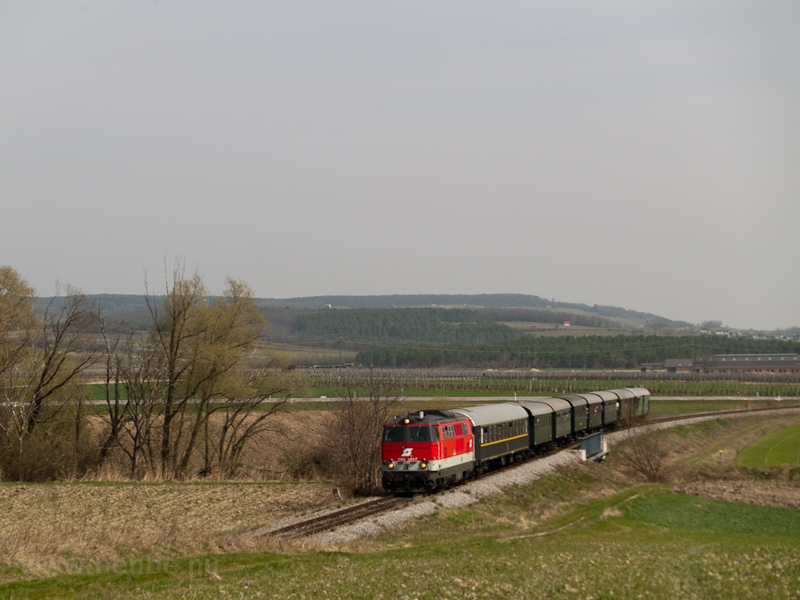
(567, 323)
(733, 363)
(679, 365)
(748, 363)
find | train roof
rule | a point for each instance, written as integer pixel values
(592, 398)
(638, 391)
(576, 399)
(537, 408)
(624, 393)
(608, 396)
(552, 404)
(489, 414)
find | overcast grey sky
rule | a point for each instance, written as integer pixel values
(637, 154)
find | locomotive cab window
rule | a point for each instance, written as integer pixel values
(422, 434)
(393, 434)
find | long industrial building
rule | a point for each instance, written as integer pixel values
(733, 363)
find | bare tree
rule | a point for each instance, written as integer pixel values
(353, 432)
(135, 384)
(180, 323)
(645, 453)
(42, 363)
(702, 363)
(54, 359)
(246, 416)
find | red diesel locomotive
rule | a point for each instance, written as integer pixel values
(434, 449)
(428, 449)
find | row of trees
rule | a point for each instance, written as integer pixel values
(433, 325)
(186, 397)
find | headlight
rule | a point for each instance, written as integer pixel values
(423, 465)
(391, 465)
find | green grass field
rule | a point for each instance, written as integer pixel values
(777, 449)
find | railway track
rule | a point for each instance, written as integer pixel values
(339, 517)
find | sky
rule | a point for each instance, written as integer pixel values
(635, 154)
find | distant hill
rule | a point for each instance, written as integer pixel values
(132, 308)
(623, 317)
(411, 301)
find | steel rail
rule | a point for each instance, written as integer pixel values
(337, 518)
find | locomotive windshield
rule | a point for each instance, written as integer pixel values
(393, 434)
(422, 434)
(412, 433)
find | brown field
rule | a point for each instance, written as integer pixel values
(106, 517)
(42, 523)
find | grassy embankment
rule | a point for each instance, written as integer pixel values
(779, 448)
(590, 531)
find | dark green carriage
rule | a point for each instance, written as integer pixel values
(610, 407)
(641, 401)
(541, 422)
(560, 411)
(594, 410)
(627, 404)
(580, 412)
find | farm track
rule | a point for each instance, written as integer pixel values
(354, 513)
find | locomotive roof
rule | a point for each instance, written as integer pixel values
(493, 413)
(426, 417)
